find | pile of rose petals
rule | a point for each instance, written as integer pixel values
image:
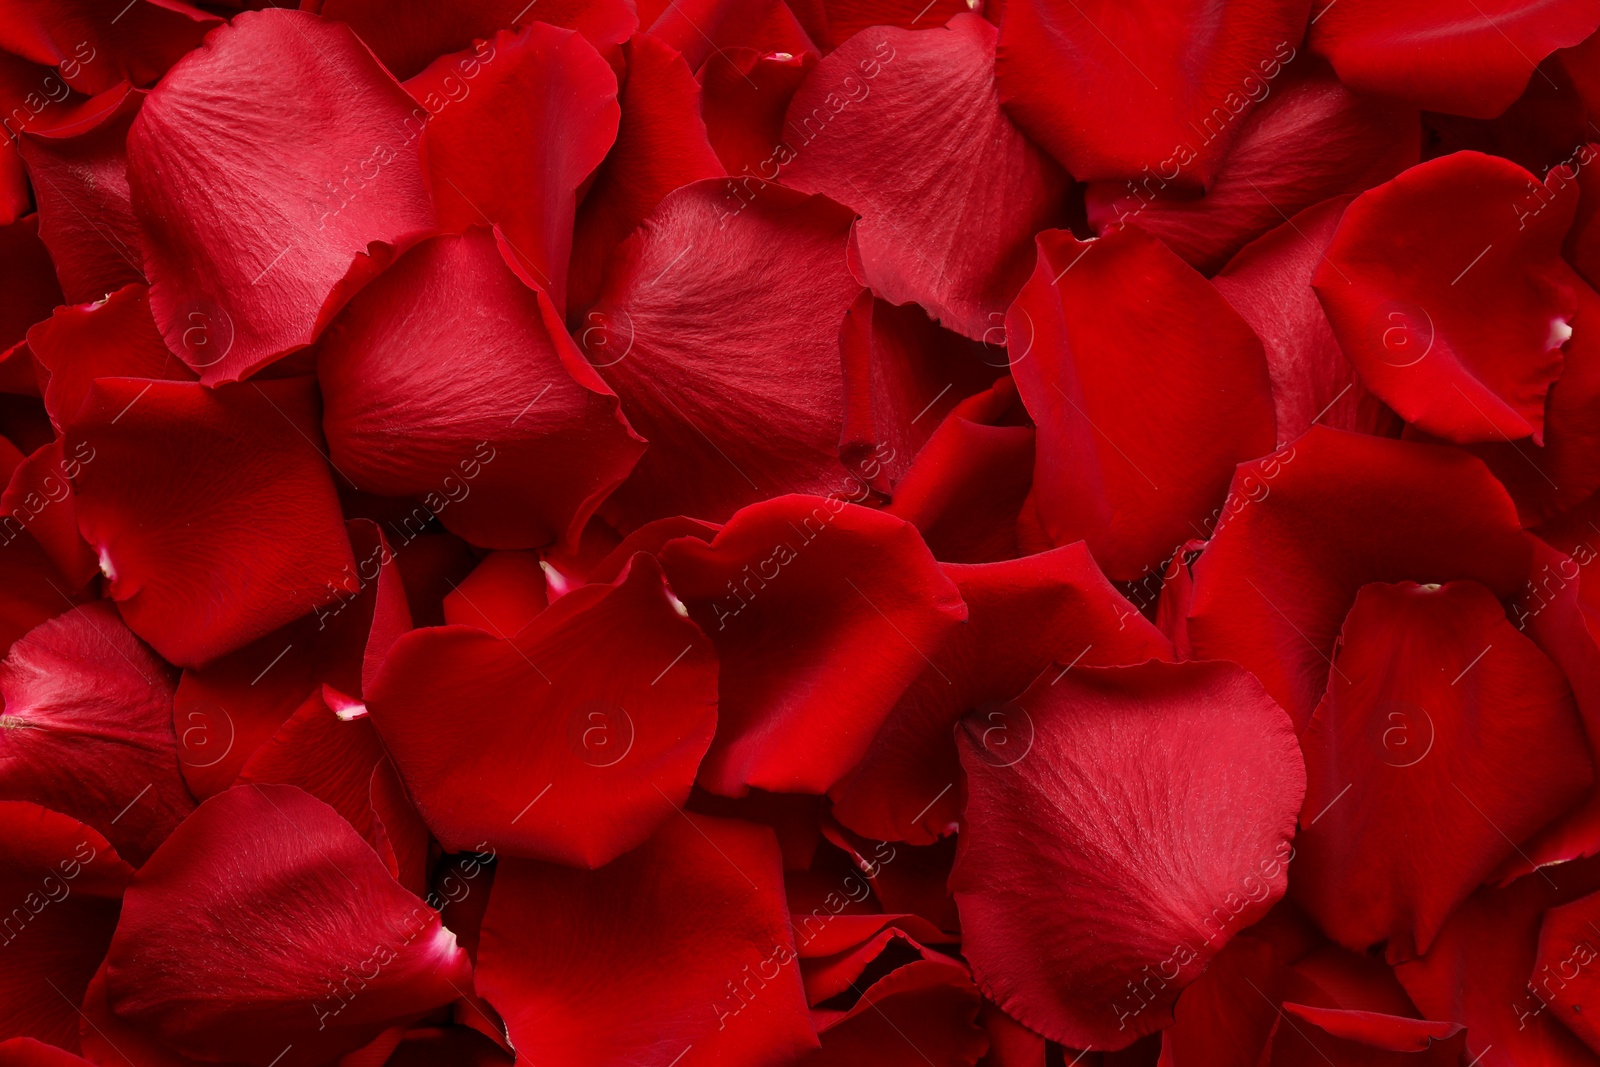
(865, 533)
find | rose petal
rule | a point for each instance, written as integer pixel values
(1131, 470)
(744, 102)
(1148, 822)
(246, 233)
(1465, 62)
(450, 380)
(1219, 1020)
(598, 711)
(39, 499)
(790, 591)
(927, 1004)
(212, 511)
(1563, 972)
(502, 594)
(709, 892)
(1439, 783)
(29, 279)
(1352, 1034)
(1447, 290)
(97, 43)
(336, 952)
(330, 758)
(719, 328)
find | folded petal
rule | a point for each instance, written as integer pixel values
(337, 951)
(1464, 61)
(571, 740)
(948, 209)
(926, 1004)
(62, 884)
(328, 756)
(1364, 1037)
(450, 380)
(502, 594)
(1333, 512)
(212, 511)
(1148, 822)
(1446, 736)
(517, 125)
(1451, 298)
(1146, 86)
(719, 328)
(39, 499)
(1310, 139)
(744, 103)
(256, 189)
(97, 43)
(791, 591)
(1129, 469)
(708, 893)
(1023, 615)
(1269, 284)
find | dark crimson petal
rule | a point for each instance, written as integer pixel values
(971, 478)
(719, 328)
(87, 729)
(336, 950)
(1447, 290)
(846, 18)
(85, 209)
(744, 102)
(791, 591)
(1309, 140)
(246, 232)
(61, 886)
(516, 126)
(903, 375)
(111, 1041)
(1564, 970)
(1146, 87)
(97, 43)
(409, 34)
(1023, 615)
(1582, 246)
(502, 594)
(1465, 61)
(1330, 977)
(598, 712)
(1454, 738)
(39, 499)
(114, 337)
(28, 277)
(1220, 1021)
(1269, 285)
(1364, 1037)
(923, 1013)
(1130, 469)
(14, 198)
(1335, 512)
(703, 30)
(227, 710)
(28, 1052)
(661, 144)
(1147, 823)
(212, 511)
(326, 755)
(948, 209)
(1481, 972)
(450, 380)
(704, 893)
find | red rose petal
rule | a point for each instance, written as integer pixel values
(39, 499)
(1219, 1020)
(330, 758)
(448, 379)
(85, 209)
(1564, 970)
(925, 1005)
(62, 885)
(88, 729)
(320, 910)
(542, 91)
(1146, 87)
(744, 102)
(1337, 511)
(1311, 139)
(95, 47)
(1148, 823)
(661, 144)
(1131, 470)
(1439, 720)
(246, 233)
(1362, 1036)
(948, 209)
(1464, 61)
(719, 328)
(791, 591)
(704, 893)
(1451, 298)
(1269, 284)
(407, 35)
(29, 279)
(1023, 615)
(598, 712)
(1480, 972)
(212, 511)
(502, 594)
(27, 1052)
